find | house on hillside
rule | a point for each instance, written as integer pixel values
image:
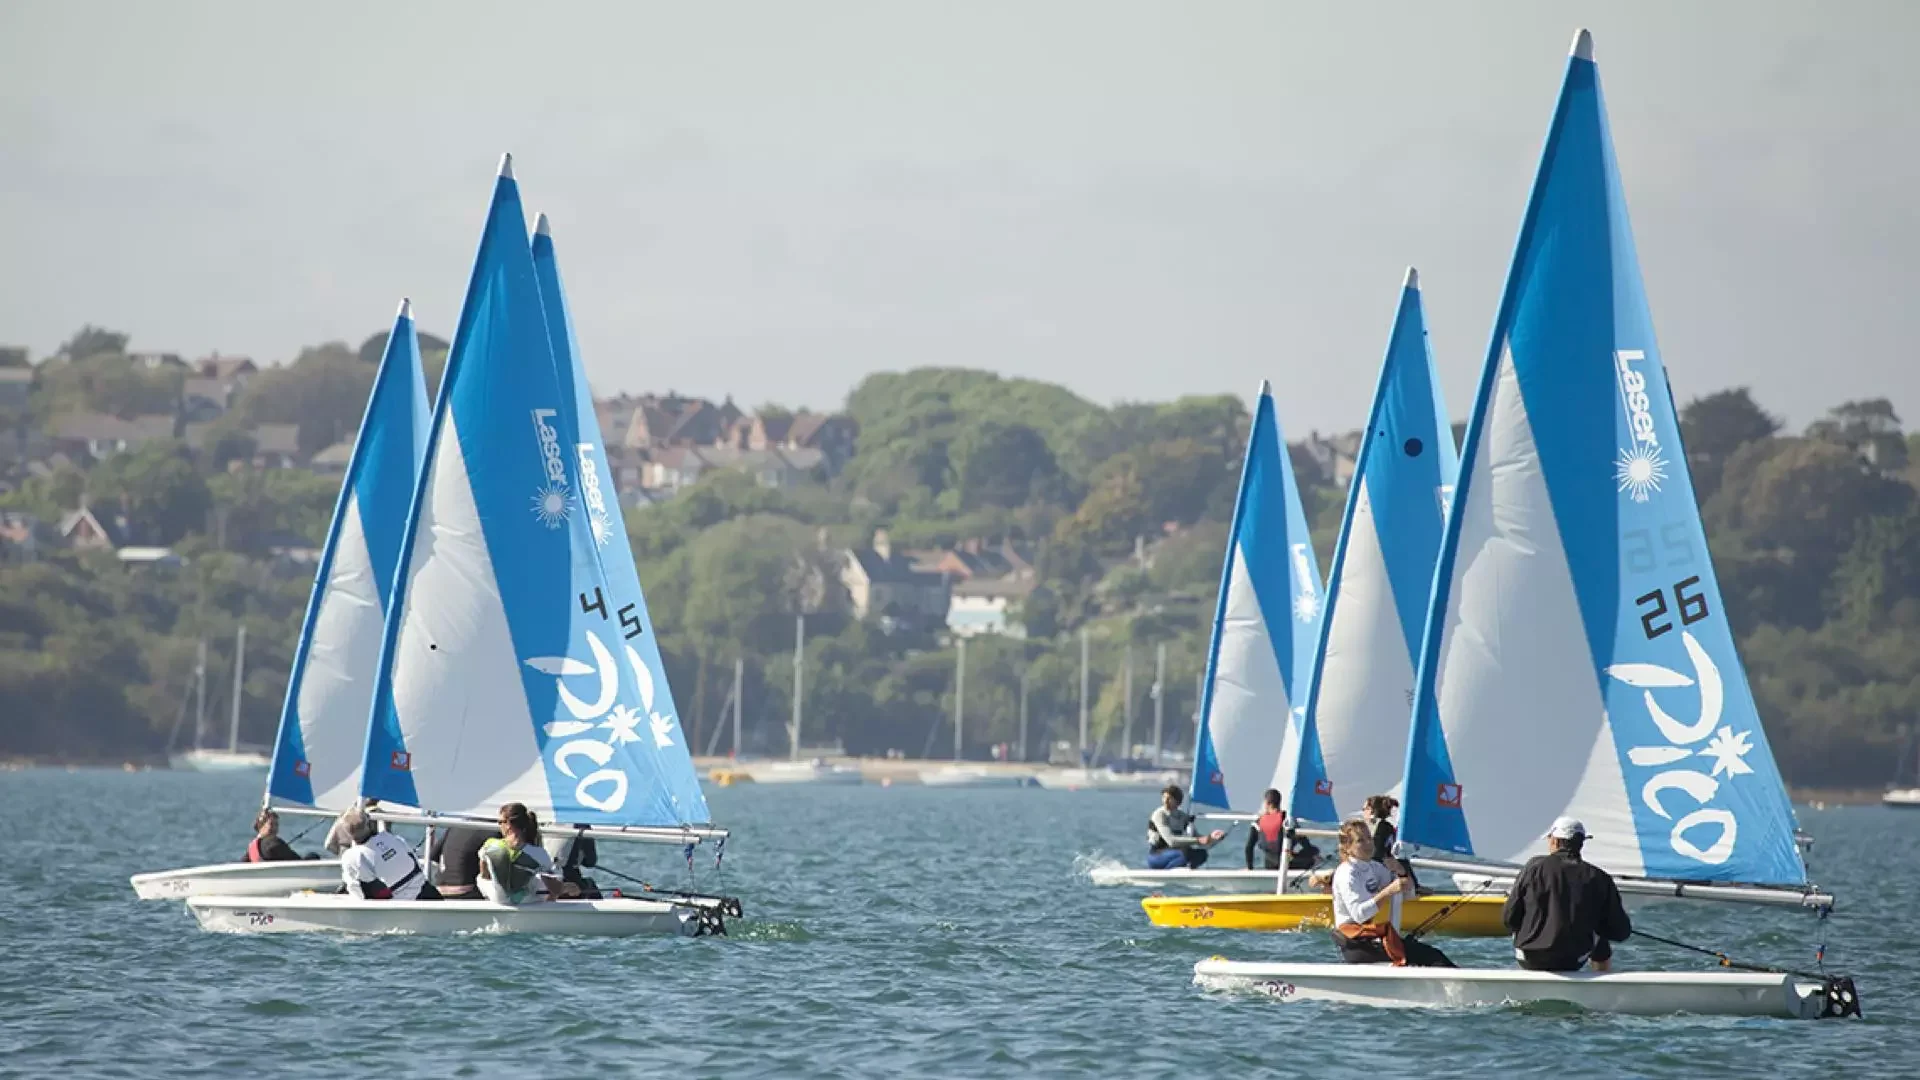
(832, 435)
(16, 386)
(97, 436)
(276, 446)
(1326, 459)
(677, 467)
(882, 583)
(156, 361)
(986, 606)
(233, 371)
(332, 461)
(83, 530)
(203, 400)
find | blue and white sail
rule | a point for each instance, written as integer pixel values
(1264, 629)
(336, 664)
(1360, 703)
(519, 663)
(1577, 658)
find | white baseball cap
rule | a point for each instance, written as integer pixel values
(1566, 828)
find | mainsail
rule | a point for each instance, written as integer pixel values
(323, 725)
(1361, 696)
(1264, 629)
(1577, 658)
(518, 663)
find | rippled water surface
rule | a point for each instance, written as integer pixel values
(891, 931)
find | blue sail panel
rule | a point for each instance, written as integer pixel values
(336, 663)
(1264, 628)
(669, 759)
(1359, 706)
(1578, 660)
(512, 669)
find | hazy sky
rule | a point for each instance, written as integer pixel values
(1138, 200)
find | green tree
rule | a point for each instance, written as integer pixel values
(1870, 428)
(163, 496)
(1716, 425)
(999, 464)
(324, 391)
(91, 340)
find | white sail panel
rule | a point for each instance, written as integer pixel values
(1366, 675)
(336, 687)
(1249, 695)
(457, 691)
(1518, 704)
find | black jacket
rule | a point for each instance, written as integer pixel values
(1562, 905)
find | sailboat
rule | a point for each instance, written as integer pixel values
(519, 663)
(1361, 676)
(232, 758)
(1576, 659)
(323, 723)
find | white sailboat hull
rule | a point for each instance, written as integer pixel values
(801, 773)
(238, 879)
(1105, 779)
(1640, 993)
(335, 913)
(963, 776)
(220, 761)
(1903, 797)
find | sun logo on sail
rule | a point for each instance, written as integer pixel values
(1306, 598)
(551, 504)
(1640, 471)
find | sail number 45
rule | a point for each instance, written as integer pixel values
(629, 622)
(1656, 617)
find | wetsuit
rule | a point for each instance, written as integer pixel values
(1385, 838)
(1563, 912)
(1171, 843)
(455, 855)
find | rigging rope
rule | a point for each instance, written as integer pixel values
(1435, 918)
(1840, 998)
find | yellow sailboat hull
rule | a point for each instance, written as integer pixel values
(1475, 916)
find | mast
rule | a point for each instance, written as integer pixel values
(959, 694)
(739, 674)
(1084, 759)
(799, 679)
(1159, 697)
(239, 667)
(200, 697)
(1023, 713)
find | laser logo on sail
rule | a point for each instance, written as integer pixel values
(599, 522)
(1641, 467)
(553, 502)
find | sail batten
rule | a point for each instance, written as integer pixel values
(318, 752)
(1359, 704)
(1264, 632)
(1576, 658)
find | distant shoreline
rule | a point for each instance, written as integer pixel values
(873, 768)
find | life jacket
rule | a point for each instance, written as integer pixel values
(1272, 827)
(380, 888)
(511, 867)
(253, 851)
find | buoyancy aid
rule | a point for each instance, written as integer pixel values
(253, 851)
(1272, 827)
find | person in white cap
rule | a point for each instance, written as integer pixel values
(1565, 912)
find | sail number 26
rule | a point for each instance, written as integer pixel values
(1656, 617)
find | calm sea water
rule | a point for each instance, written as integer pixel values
(901, 932)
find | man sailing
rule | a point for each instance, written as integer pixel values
(1171, 843)
(1565, 912)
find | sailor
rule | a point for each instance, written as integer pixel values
(577, 852)
(454, 855)
(1378, 814)
(1563, 911)
(1360, 886)
(340, 835)
(380, 865)
(267, 845)
(1171, 842)
(1275, 841)
(515, 869)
